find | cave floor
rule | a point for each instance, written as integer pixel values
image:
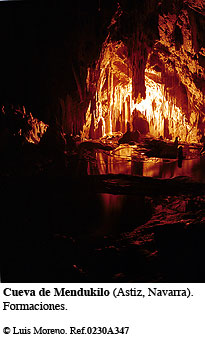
(124, 225)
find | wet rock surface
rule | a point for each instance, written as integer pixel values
(59, 235)
(65, 219)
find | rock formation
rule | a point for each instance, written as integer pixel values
(151, 65)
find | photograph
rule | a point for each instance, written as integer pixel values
(102, 141)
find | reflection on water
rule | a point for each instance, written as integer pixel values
(132, 161)
(123, 213)
(100, 215)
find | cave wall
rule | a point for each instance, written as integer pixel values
(46, 48)
(152, 61)
(150, 55)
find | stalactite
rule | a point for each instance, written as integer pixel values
(137, 77)
(139, 60)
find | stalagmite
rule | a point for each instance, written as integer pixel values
(156, 78)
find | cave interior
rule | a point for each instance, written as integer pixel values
(102, 141)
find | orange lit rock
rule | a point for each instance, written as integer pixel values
(36, 130)
(161, 77)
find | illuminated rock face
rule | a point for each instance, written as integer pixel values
(157, 78)
(111, 84)
(36, 130)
